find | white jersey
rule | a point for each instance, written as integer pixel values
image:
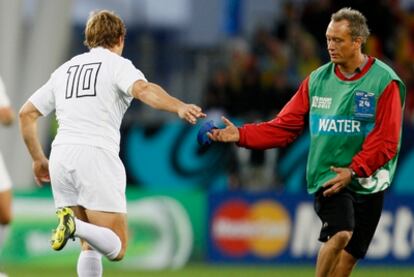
(90, 96)
(4, 100)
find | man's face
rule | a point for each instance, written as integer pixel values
(341, 47)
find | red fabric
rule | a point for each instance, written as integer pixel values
(283, 129)
(364, 70)
(381, 144)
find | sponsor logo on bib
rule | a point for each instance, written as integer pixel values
(321, 102)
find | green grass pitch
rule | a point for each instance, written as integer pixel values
(201, 270)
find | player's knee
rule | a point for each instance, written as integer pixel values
(343, 237)
(120, 255)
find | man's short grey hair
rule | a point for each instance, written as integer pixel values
(357, 22)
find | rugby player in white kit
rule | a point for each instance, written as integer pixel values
(90, 94)
(6, 119)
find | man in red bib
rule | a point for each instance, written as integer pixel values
(354, 106)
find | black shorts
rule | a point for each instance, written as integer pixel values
(349, 211)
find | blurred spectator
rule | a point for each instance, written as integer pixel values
(315, 17)
(404, 58)
(289, 17)
(218, 90)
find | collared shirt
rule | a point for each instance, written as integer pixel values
(357, 70)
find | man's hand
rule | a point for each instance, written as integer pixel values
(190, 113)
(228, 134)
(339, 182)
(41, 171)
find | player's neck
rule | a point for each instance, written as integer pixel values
(116, 49)
(353, 64)
(119, 47)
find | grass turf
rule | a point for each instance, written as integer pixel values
(201, 270)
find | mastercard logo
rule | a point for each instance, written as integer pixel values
(262, 228)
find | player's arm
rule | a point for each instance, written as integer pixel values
(6, 111)
(157, 98)
(381, 145)
(28, 117)
(279, 132)
(6, 115)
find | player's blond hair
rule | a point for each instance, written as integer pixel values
(103, 28)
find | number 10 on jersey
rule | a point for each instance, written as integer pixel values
(81, 80)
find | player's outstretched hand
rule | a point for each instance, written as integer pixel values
(41, 171)
(228, 134)
(190, 113)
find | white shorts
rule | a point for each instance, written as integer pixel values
(5, 182)
(87, 176)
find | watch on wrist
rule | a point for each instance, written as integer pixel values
(353, 174)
